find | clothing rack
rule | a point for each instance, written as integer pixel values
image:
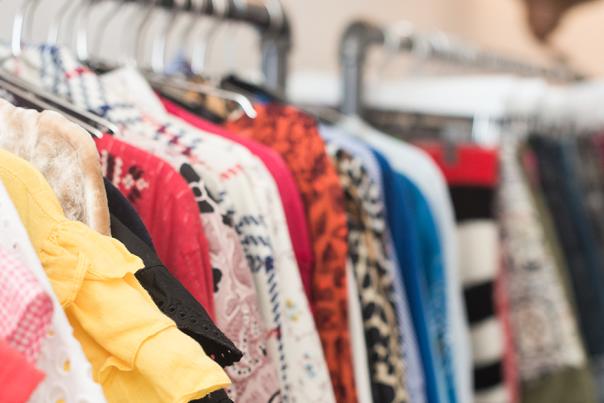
(359, 36)
(272, 24)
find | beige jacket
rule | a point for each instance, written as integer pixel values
(67, 157)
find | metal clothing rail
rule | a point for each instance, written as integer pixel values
(359, 36)
(272, 24)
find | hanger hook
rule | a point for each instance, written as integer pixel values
(55, 24)
(138, 53)
(104, 22)
(26, 9)
(82, 26)
(202, 50)
(73, 21)
(276, 15)
(29, 18)
(197, 10)
(158, 50)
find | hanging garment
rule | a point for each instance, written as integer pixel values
(591, 178)
(25, 307)
(567, 377)
(236, 305)
(310, 377)
(299, 329)
(572, 226)
(253, 377)
(414, 237)
(136, 352)
(295, 137)
(419, 171)
(242, 175)
(253, 230)
(502, 303)
(472, 179)
(370, 265)
(557, 170)
(237, 308)
(68, 373)
(417, 242)
(288, 192)
(163, 200)
(175, 301)
(65, 155)
(247, 179)
(18, 377)
(357, 339)
(414, 378)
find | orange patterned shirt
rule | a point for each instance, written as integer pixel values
(295, 136)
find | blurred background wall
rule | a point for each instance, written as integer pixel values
(495, 24)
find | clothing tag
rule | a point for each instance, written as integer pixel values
(130, 86)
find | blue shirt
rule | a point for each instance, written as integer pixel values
(418, 249)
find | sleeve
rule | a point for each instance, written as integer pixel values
(134, 349)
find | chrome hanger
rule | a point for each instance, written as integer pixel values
(183, 85)
(81, 28)
(73, 21)
(188, 34)
(58, 104)
(200, 54)
(143, 26)
(158, 79)
(27, 9)
(56, 23)
(44, 99)
(276, 14)
(160, 43)
(29, 100)
(29, 18)
(105, 21)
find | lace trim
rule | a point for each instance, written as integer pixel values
(191, 318)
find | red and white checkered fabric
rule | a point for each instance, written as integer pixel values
(25, 307)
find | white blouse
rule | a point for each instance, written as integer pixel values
(68, 372)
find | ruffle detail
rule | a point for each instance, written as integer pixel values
(118, 324)
(190, 317)
(71, 238)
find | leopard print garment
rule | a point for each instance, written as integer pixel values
(295, 136)
(373, 270)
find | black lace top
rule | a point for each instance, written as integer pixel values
(173, 299)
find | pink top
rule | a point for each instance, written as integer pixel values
(25, 308)
(18, 377)
(288, 190)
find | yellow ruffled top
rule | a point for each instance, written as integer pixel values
(137, 353)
